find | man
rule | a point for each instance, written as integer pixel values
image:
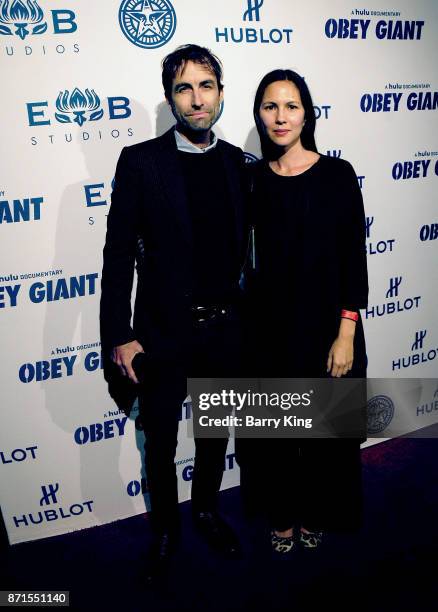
(182, 197)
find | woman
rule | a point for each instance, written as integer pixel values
(312, 280)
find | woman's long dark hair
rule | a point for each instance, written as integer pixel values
(270, 150)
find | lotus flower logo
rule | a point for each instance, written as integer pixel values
(74, 106)
(23, 15)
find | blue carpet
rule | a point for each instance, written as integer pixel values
(390, 565)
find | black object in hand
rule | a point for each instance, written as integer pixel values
(139, 366)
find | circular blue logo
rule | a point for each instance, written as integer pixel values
(380, 410)
(250, 158)
(149, 24)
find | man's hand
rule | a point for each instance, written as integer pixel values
(123, 355)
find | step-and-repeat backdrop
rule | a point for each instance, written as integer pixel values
(80, 80)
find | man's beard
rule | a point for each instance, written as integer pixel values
(197, 125)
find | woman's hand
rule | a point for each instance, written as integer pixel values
(340, 357)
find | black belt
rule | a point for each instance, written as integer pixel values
(207, 314)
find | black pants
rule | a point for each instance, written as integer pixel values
(215, 350)
(313, 482)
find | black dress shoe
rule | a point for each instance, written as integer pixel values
(160, 554)
(217, 533)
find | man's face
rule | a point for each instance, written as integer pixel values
(196, 98)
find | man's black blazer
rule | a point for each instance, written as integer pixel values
(149, 204)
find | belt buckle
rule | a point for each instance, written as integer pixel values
(203, 314)
(198, 311)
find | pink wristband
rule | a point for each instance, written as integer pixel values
(348, 314)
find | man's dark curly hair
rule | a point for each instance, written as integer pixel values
(176, 61)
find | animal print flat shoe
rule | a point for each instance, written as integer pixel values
(281, 545)
(312, 539)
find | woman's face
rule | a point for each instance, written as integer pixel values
(282, 113)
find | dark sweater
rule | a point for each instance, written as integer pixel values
(214, 249)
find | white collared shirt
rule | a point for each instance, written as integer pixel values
(187, 147)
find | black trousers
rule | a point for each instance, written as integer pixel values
(215, 350)
(316, 483)
(313, 482)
